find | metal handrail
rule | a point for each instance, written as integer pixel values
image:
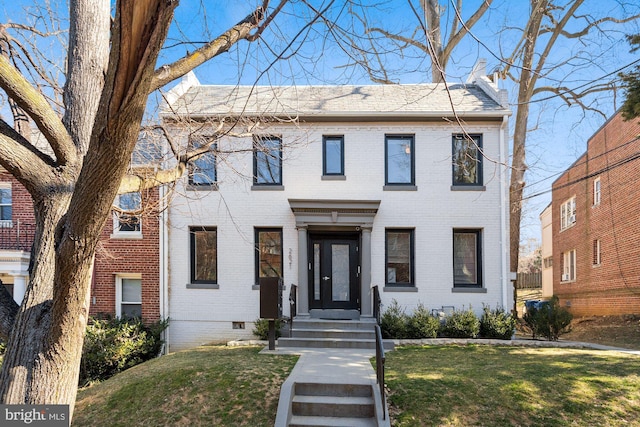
(380, 359)
(293, 306)
(377, 304)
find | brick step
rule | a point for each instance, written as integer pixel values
(304, 421)
(333, 333)
(331, 343)
(329, 389)
(365, 324)
(333, 406)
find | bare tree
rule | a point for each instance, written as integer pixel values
(559, 40)
(535, 68)
(436, 31)
(111, 70)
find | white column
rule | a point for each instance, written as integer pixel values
(303, 273)
(19, 288)
(365, 273)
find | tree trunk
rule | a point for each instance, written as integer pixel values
(518, 161)
(44, 367)
(45, 345)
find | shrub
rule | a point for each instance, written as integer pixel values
(549, 320)
(496, 323)
(461, 324)
(261, 328)
(422, 324)
(113, 345)
(394, 322)
(531, 321)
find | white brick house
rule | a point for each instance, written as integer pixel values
(338, 189)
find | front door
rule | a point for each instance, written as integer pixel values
(333, 272)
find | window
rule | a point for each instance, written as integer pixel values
(333, 155)
(125, 222)
(5, 201)
(467, 160)
(596, 252)
(548, 262)
(202, 171)
(128, 296)
(268, 253)
(596, 192)
(467, 258)
(399, 160)
(568, 213)
(568, 266)
(267, 161)
(399, 257)
(204, 254)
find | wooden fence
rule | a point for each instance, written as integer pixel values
(529, 281)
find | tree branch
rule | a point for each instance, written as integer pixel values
(37, 107)
(242, 30)
(464, 30)
(591, 25)
(406, 40)
(20, 158)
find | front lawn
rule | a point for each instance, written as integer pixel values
(207, 386)
(509, 386)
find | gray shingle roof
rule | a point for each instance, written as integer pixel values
(392, 101)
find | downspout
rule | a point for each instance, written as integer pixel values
(504, 211)
(163, 243)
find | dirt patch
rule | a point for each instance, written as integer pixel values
(620, 331)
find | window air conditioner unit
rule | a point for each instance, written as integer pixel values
(565, 277)
(572, 219)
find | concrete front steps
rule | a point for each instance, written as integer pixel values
(328, 333)
(347, 405)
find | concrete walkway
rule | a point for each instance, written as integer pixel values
(327, 366)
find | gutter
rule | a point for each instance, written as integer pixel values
(504, 204)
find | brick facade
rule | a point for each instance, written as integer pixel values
(129, 256)
(138, 256)
(609, 283)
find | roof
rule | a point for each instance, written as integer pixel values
(335, 102)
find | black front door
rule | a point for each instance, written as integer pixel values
(333, 272)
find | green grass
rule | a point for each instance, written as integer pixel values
(206, 386)
(507, 386)
(474, 385)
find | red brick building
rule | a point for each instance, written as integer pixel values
(126, 277)
(596, 224)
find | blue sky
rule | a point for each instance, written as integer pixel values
(561, 131)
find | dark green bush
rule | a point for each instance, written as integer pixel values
(394, 322)
(461, 324)
(496, 323)
(421, 324)
(549, 321)
(113, 345)
(261, 328)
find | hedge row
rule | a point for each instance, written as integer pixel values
(397, 324)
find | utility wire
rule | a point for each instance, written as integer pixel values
(607, 168)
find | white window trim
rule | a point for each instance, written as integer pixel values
(7, 223)
(597, 192)
(118, 281)
(569, 268)
(117, 233)
(568, 213)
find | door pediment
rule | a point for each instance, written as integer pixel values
(334, 212)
